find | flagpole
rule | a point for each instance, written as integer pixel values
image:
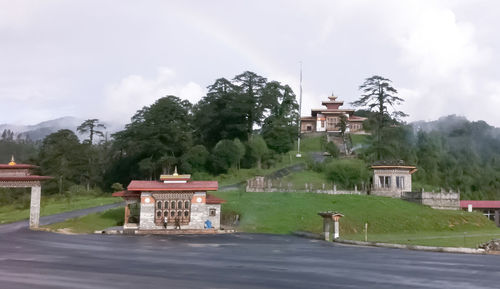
(300, 112)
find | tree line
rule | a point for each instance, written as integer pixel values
(243, 122)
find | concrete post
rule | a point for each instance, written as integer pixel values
(326, 229)
(336, 230)
(497, 218)
(35, 206)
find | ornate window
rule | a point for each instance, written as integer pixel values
(173, 205)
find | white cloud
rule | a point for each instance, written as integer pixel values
(122, 100)
(440, 45)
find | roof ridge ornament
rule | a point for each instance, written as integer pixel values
(175, 171)
(12, 161)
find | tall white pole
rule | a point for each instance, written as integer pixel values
(300, 112)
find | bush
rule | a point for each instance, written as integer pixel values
(332, 149)
(347, 173)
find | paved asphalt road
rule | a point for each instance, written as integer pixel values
(30, 259)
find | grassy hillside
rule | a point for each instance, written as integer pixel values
(388, 219)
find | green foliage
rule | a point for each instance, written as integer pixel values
(117, 187)
(281, 127)
(91, 126)
(224, 155)
(332, 149)
(195, 160)
(348, 173)
(60, 156)
(161, 132)
(258, 148)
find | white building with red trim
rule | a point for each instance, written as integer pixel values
(171, 204)
(328, 119)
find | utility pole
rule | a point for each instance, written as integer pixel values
(300, 112)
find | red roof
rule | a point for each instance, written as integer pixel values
(24, 178)
(160, 186)
(214, 200)
(17, 166)
(480, 204)
(126, 194)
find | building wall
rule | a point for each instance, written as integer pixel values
(199, 213)
(440, 200)
(147, 215)
(305, 123)
(392, 191)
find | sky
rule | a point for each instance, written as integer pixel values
(107, 59)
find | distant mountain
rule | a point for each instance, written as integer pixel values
(41, 130)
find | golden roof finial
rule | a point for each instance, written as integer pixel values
(12, 162)
(175, 171)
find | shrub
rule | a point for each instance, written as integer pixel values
(332, 149)
(347, 173)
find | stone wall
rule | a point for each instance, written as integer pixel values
(440, 200)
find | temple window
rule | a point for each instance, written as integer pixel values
(385, 181)
(172, 205)
(186, 205)
(400, 182)
(179, 213)
(186, 213)
(179, 205)
(158, 205)
(212, 212)
(172, 214)
(166, 204)
(158, 214)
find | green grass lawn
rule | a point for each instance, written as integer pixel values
(359, 139)
(90, 223)
(54, 205)
(309, 144)
(389, 220)
(299, 179)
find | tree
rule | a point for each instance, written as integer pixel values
(378, 95)
(258, 148)
(280, 127)
(60, 156)
(224, 155)
(91, 126)
(221, 114)
(241, 151)
(254, 101)
(161, 132)
(342, 125)
(195, 160)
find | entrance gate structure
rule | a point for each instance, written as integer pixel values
(14, 175)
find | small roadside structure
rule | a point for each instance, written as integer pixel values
(13, 175)
(490, 209)
(328, 218)
(172, 205)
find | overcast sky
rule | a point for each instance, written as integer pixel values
(107, 59)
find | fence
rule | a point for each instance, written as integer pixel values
(266, 185)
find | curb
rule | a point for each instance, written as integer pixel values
(397, 246)
(415, 247)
